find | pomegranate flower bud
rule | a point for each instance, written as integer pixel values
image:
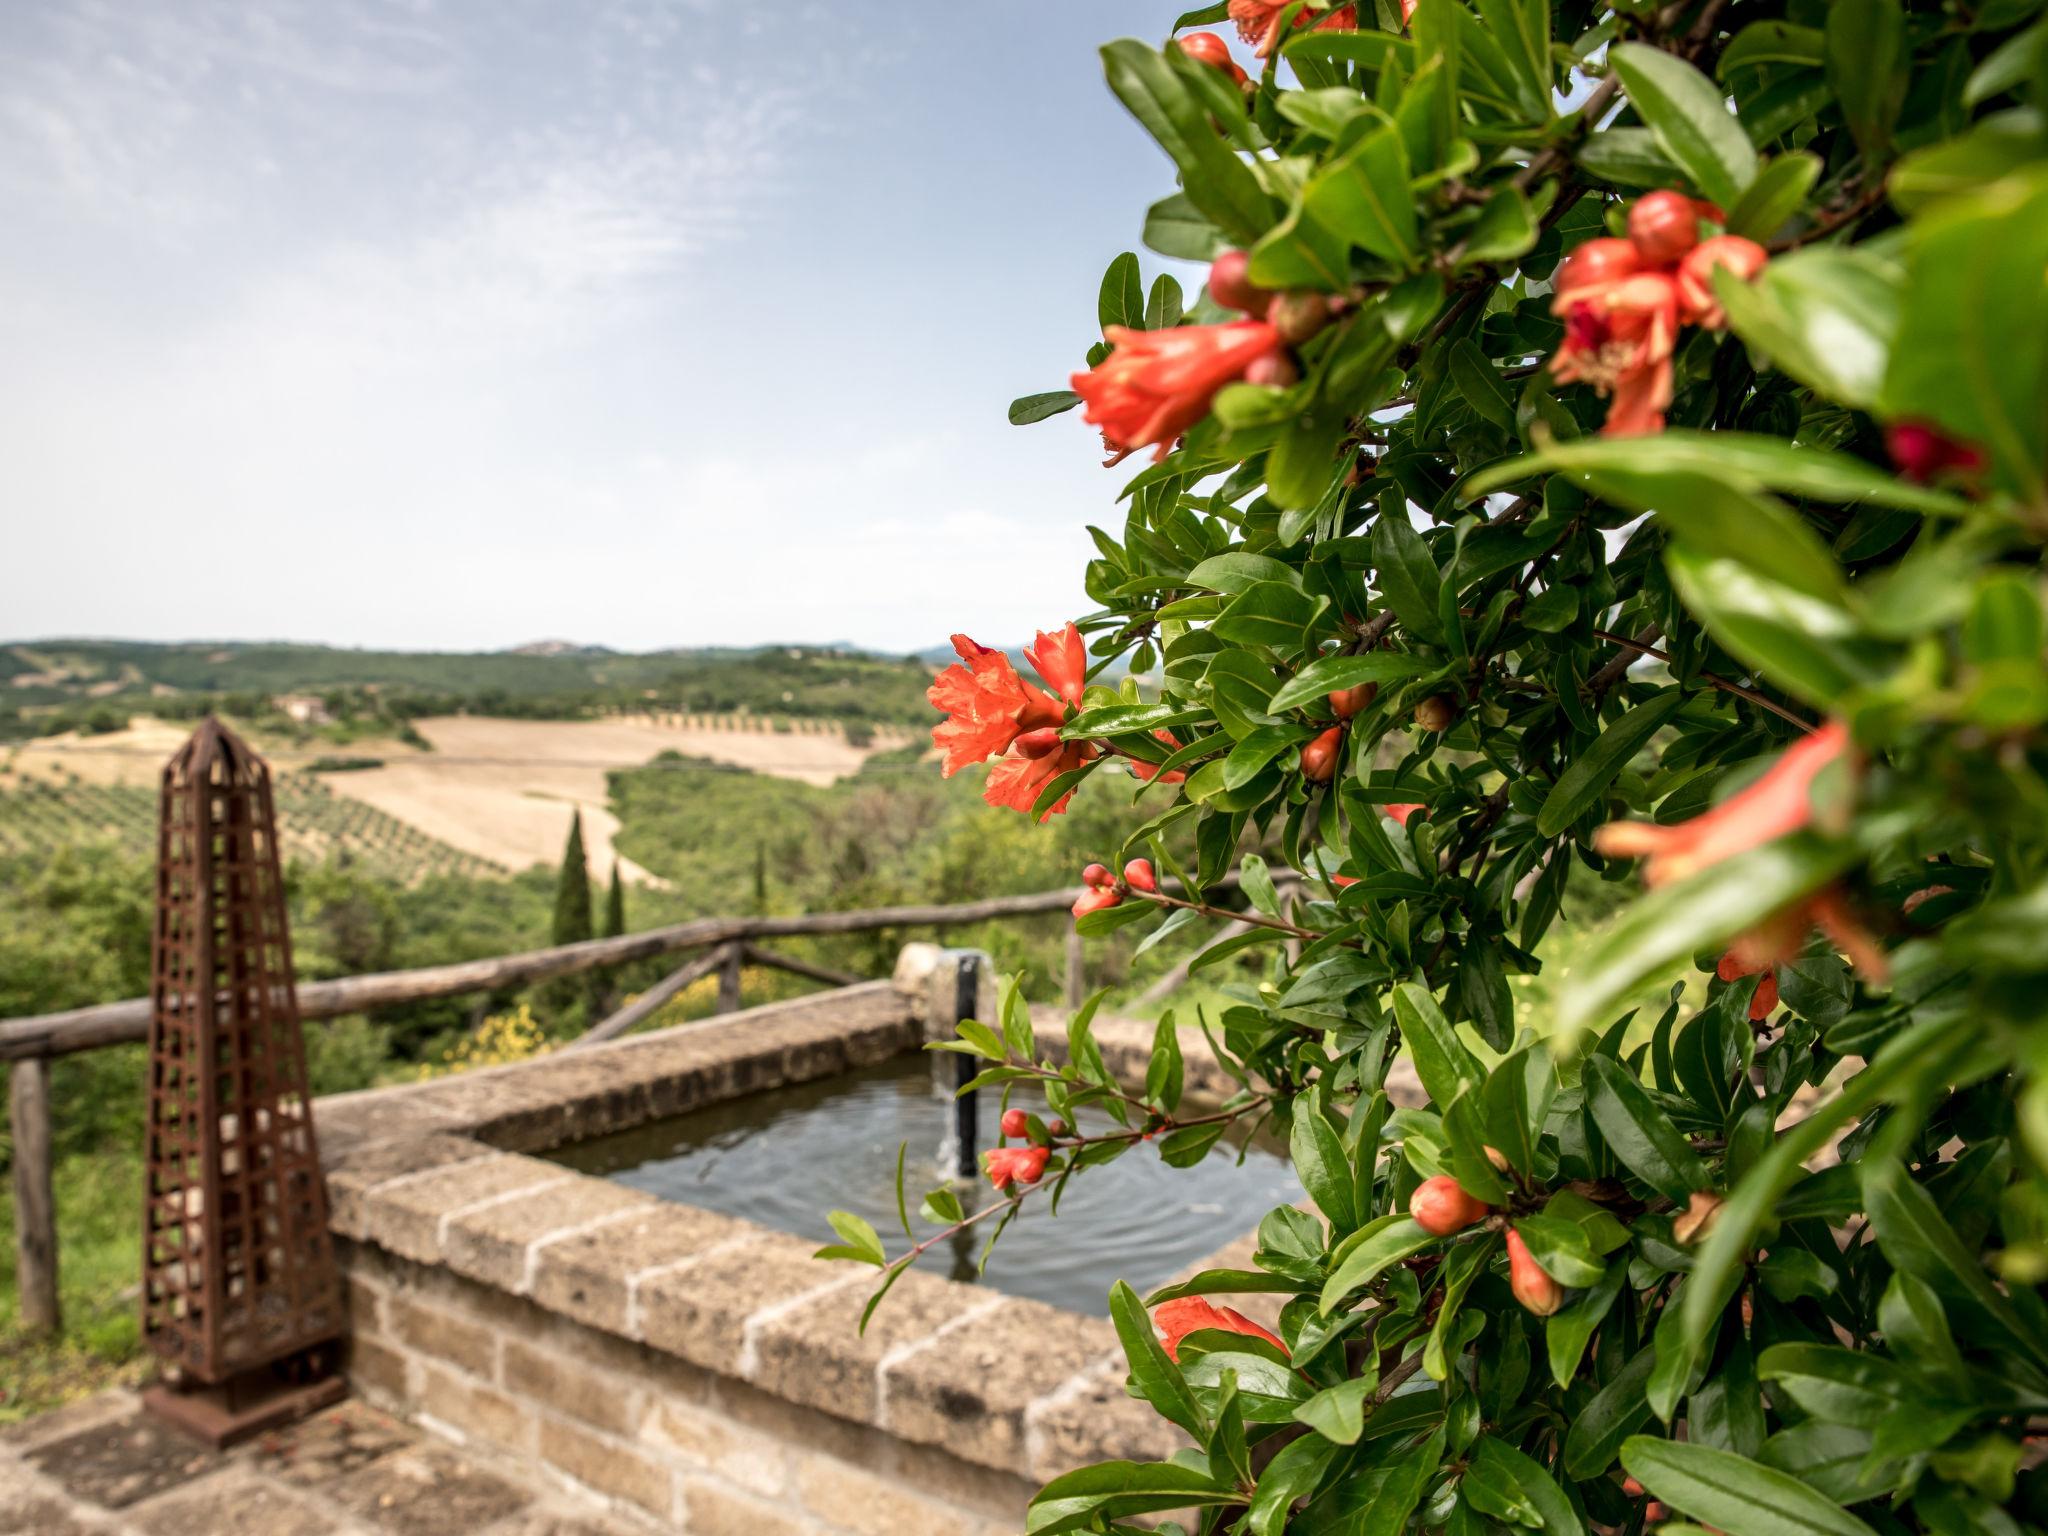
(1440, 1207)
(1530, 1282)
(1436, 714)
(1231, 286)
(1138, 875)
(1696, 301)
(1662, 227)
(1922, 451)
(1097, 877)
(1299, 316)
(1319, 757)
(1015, 1123)
(1403, 813)
(1056, 1128)
(1014, 1165)
(1042, 742)
(1697, 1219)
(1276, 370)
(1347, 702)
(1097, 901)
(1206, 48)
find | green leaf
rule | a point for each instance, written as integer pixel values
(1480, 385)
(1331, 674)
(1374, 1246)
(1157, 1379)
(1733, 1493)
(1026, 409)
(1587, 778)
(1213, 178)
(1442, 1060)
(1641, 1134)
(1117, 1488)
(1916, 1239)
(1175, 227)
(1866, 41)
(1506, 228)
(1163, 305)
(1972, 347)
(1338, 1413)
(1538, 1489)
(1237, 570)
(1408, 578)
(1571, 1327)
(1293, 1472)
(1563, 1250)
(1690, 117)
(1359, 199)
(1320, 1163)
(1223, 1282)
(1617, 1411)
(1779, 191)
(1826, 315)
(1121, 300)
(1743, 461)
(1807, 646)
(1522, 29)
(859, 1236)
(1674, 922)
(1268, 613)
(1627, 157)
(1843, 1386)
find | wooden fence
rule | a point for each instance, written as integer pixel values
(29, 1045)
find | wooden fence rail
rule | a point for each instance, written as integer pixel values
(30, 1044)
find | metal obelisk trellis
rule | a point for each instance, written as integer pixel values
(239, 1286)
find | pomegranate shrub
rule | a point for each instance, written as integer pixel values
(1612, 446)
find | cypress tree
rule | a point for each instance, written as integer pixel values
(615, 906)
(572, 889)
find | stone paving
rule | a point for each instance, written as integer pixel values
(103, 1467)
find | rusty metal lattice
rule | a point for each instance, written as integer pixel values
(238, 1267)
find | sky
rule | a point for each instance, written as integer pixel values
(403, 323)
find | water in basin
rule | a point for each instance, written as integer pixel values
(786, 1157)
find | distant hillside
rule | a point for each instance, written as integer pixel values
(48, 686)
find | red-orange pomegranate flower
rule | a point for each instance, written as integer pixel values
(1191, 1314)
(1778, 803)
(1014, 1165)
(988, 705)
(1258, 21)
(1745, 258)
(1735, 965)
(1018, 779)
(1619, 332)
(1402, 813)
(1154, 385)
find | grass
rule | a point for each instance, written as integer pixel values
(99, 1216)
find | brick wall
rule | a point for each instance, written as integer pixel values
(689, 1448)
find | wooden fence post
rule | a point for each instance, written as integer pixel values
(730, 959)
(35, 1208)
(1077, 970)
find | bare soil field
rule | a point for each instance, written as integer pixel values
(501, 789)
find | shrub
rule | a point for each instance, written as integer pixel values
(1656, 489)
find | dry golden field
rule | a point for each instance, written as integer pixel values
(501, 789)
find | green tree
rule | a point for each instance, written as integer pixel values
(572, 889)
(615, 905)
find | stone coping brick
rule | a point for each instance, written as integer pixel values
(590, 1277)
(494, 1243)
(700, 1312)
(971, 1391)
(814, 1353)
(407, 1214)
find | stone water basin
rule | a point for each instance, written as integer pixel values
(785, 1157)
